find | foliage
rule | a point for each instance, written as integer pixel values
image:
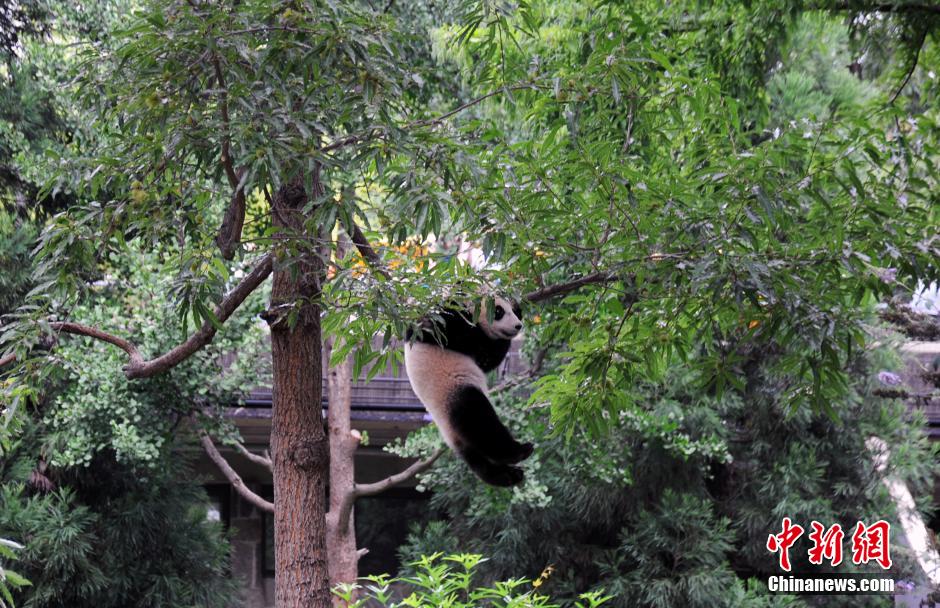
(723, 231)
(9, 578)
(20, 18)
(646, 146)
(111, 534)
(647, 153)
(98, 410)
(36, 113)
(16, 240)
(448, 581)
(659, 523)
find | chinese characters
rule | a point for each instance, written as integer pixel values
(869, 543)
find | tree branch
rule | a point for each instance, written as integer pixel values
(470, 104)
(900, 393)
(93, 332)
(550, 291)
(231, 230)
(137, 367)
(544, 293)
(223, 110)
(360, 137)
(255, 458)
(367, 252)
(880, 7)
(231, 475)
(910, 72)
(370, 489)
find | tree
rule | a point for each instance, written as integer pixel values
(9, 578)
(96, 481)
(111, 534)
(635, 164)
(678, 513)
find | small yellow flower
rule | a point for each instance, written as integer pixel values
(546, 573)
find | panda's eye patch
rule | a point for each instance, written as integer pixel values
(499, 313)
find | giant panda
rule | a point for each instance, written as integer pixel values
(449, 377)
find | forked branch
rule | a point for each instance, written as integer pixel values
(137, 367)
(230, 474)
(255, 458)
(371, 489)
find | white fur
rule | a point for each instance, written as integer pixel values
(505, 328)
(434, 373)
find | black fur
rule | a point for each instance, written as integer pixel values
(485, 443)
(503, 475)
(475, 420)
(458, 334)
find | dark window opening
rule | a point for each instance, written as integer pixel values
(219, 507)
(382, 524)
(267, 534)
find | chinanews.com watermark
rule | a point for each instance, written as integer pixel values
(870, 545)
(830, 584)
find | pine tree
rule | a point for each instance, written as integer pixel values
(110, 534)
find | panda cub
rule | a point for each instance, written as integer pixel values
(450, 380)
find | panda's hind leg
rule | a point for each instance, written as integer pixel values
(503, 475)
(479, 429)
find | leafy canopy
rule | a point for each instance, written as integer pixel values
(631, 141)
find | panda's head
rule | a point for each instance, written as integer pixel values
(506, 320)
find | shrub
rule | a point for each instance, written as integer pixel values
(438, 580)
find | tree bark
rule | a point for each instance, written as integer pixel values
(341, 536)
(299, 447)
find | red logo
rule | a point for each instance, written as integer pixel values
(869, 543)
(782, 542)
(826, 545)
(872, 543)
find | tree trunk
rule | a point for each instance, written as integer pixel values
(341, 535)
(299, 446)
